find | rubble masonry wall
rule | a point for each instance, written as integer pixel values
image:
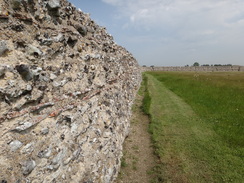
(66, 90)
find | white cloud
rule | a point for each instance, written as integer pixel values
(191, 25)
(176, 13)
(113, 2)
(188, 19)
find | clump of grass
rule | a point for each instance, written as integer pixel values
(156, 173)
(146, 98)
(134, 165)
(123, 163)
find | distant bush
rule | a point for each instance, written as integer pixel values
(196, 64)
(222, 65)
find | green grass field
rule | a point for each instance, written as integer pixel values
(197, 125)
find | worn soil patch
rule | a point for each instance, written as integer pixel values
(139, 158)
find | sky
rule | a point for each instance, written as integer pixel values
(173, 32)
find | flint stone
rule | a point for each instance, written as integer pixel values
(54, 4)
(60, 83)
(2, 70)
(45, 153)
(56, 84)
(81, 29)
(87, 57)
(23, 127)
(24, 71)
(44, 78)
(36, 94)
(36, 71)
(53, 76)
(72, 40)
(47, 42)
(18, 27)
(59, 38)
(11, 82)
(3, 47)
(28, 166)
(19, 104)
(44, 131)
(32, 50)
(74, 128)
(28, 87)
(27, 149)
(16, 4)
(15, 145)
(57, 159)
(30, 1)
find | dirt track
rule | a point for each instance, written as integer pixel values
(139, 158)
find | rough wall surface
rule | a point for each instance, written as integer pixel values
(197, 69)
(66, 91)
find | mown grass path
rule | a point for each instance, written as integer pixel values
(188, 147)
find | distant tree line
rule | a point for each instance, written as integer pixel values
(217, 65)
(196, 64)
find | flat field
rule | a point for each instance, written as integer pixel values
(197, 125)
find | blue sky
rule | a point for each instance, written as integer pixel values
(173, 32)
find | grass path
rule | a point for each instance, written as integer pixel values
(179, 126)
(189, 148)
(139, 158)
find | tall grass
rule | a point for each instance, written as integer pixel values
(216, 97)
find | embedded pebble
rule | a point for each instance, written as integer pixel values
(44, 131)
(24, 126)
(27, 149)
(3, 47)
(15, 145)
(28, 166)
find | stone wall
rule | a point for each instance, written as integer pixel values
(66, 91)
(197, 69)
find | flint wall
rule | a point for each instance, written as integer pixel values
(66, 90)
(197, 69)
